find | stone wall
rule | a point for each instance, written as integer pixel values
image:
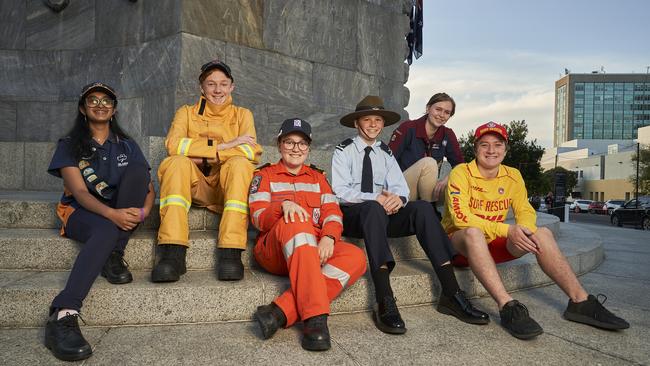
(309, 58)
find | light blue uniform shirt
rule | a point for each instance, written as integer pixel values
(347, 165)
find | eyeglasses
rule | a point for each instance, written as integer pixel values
(96, 102)
(290, 144)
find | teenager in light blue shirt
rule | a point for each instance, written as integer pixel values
(373, 193)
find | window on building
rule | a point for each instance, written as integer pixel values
(627, 196)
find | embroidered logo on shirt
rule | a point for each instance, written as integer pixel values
(121, 160)
(316, 215)
(455, 191)
(297, 123)
(501, 190)
(478, 189)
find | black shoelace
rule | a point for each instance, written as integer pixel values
(390, 306)
(70, 322)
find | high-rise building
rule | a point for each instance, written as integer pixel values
(601, 106)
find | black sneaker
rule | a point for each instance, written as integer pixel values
(316, 334)
(592, 312)
(387, 317)
(515, 318)
(63, 337)
(116, 270)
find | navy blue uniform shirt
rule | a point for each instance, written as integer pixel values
(109, 161)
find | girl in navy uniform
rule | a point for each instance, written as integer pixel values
(107, 194)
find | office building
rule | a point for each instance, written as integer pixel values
(600, 106)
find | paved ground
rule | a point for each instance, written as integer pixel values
(432, 338)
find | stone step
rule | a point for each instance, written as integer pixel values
(199, 297)
(37, 210)
(45, 249)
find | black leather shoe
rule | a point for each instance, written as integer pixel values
(316, 335)
(270, 318)
(460, 307)
(230, 267)
(387, 317)
(171, 265)
(63, 337)
(116, 270)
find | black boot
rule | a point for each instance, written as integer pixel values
(63, 337)
(116, 270)
(171, 265)
(460, 307)
(315, 334)
(387, 317)
(270, 318)
(230, 267)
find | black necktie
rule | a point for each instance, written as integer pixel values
(366, 173)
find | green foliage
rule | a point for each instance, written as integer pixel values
(644, 170)
(522, 154)
(548, 178)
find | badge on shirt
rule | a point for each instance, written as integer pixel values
(316, 215)
(121, 160)
(501, 190)
(255, 184)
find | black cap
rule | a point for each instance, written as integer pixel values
(97, 86)
(295, 125)
(216, 64)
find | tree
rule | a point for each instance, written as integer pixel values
(522, 154)
(644, 170)
(549, 180)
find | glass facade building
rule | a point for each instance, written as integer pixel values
(601, 106)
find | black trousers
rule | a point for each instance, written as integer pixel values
(100, 236)
(369, 221)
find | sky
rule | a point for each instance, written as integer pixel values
(500, 59)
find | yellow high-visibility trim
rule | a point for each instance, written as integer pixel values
(184, 146)
(247, 150)
(175, 200)
(234, 205)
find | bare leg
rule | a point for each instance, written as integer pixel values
(471, 243)
(555, 265)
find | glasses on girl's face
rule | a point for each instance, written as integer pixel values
(290, 144)
(96, 102)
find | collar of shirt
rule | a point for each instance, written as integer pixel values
(421, 132)
(279, 168)
(112, 138)
(361, 145)
(473, 170)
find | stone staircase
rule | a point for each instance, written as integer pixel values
(35, 260)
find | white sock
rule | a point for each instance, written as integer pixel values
(66, 312)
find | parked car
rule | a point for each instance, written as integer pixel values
(579, 205)
(613, 204)
(597, 207)
(632, 214)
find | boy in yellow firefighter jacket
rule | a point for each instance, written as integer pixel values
(479, 194)
(212, 154)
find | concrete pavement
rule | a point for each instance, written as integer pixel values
(432, 338)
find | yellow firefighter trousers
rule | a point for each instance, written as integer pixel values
(182, 184)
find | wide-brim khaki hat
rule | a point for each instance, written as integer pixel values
(370, 105)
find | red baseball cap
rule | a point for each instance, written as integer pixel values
(490, 127)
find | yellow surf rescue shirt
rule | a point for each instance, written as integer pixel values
(474, 201)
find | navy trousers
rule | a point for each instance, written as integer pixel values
(368, 220)
(100, 236)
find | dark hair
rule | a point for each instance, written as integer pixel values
(80, 136)
(442, 97)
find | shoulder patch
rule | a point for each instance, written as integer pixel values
(344, 144)
(386, 149)
(255, 184)
(262, 167)
(317, 169)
